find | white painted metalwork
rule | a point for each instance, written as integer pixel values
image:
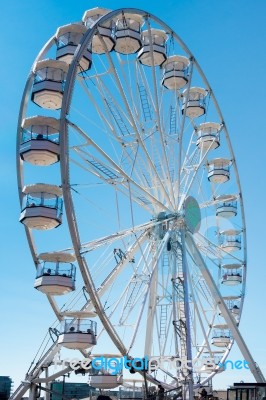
(40, 140)
(42, 206)
(48, 87)
(127, 33)
(219, 170)
(175, 75)
(107, 43)
(153, 51)
(194, 102)
(77, 334)
(142, 202)
(56, 276)
(208, 136)
(105, 381)
(68, 38)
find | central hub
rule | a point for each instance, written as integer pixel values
(192, 214)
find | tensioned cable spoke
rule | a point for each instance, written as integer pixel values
(109, 126)
(196, 302)
(201, 289)
(118, 235)
(181, 133)
(123, 97)
(217, 248)
(200, 310)
(148, 155)
(142, 295)
(229, 318)
(214, 201)
(102, 115)
(118, 169)
(121, 188)
(157, 110)
(157, 253)
(194, 175)
(87, 246)
(117, 270)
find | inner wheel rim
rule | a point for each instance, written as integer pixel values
(150, 157)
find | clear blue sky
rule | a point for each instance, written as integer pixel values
(228, 39)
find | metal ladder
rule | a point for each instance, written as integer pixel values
(144, 102)
(117, 117)
(173, 125)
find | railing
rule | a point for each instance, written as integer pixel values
(227, 204)
(155, 40)
(28, 135)
(231, 239)
(127, 23)
(79, 326)
(50, 74)
(43, 199)
(69, 38)
(218, 167)
(221, 333)
(56, 269)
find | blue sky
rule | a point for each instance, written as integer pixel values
(227, 37)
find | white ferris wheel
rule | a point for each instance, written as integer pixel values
(123, 149)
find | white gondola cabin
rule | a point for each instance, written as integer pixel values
(56, 275)
(175, 72)
(208, 136)
(78, 333)
(108, 376)
(221, 341)
(235, 310)
(105, 381)
(194, 102)
(42, 206)
(128, 33)
(211, 364)
(221, 336)
(48, 86)
(68, 38)
(153, 51)
(103, 40)
(232, 267)
(40, 140)
(227, 206)
(232, 275)
(232, 279)
(218, 170)
(233, 302)
(231, 240)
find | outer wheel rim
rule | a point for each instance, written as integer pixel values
(63, 127)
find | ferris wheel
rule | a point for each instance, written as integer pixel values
(123, 149)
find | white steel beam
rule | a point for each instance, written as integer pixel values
(187, 314)
(34, 373)
(134, 125)
(230, 320)
(118, 169)
(153, 297)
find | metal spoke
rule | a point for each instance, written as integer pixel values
(134, 178)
